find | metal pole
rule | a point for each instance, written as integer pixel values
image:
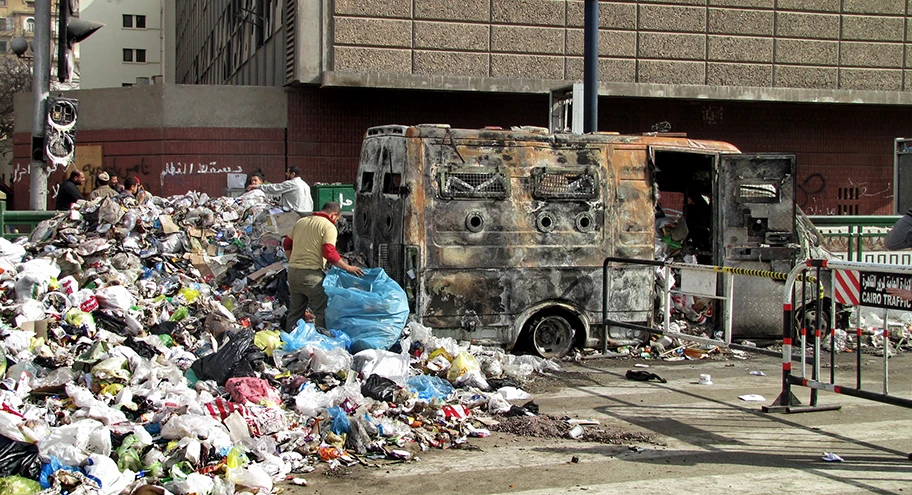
(41, 75)
(590, 66)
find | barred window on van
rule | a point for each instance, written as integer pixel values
(470, 184)
(758, 192)
(565, 184)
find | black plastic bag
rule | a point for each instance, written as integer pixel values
(644, 376)
(19, 459)
(380, 388)
(143, 349)
(239, 357)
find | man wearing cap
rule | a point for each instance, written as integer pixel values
(69, 190)
(103, 190)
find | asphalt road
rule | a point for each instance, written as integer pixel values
(705, 439)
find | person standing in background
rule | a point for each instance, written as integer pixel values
(293, 193)
(69, 190)
(900, 237)
(103, 190)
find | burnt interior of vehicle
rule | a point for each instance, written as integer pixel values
(685, 193)
(685, 221)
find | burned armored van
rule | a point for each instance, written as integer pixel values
(499, 236)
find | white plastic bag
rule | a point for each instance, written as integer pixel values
(69, 443)
(199, 484)
(384, 363)
(94, 408)
(104, 471)
(252, 476)
(329, 361)
(115, 297)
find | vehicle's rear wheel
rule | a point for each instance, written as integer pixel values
(810, 320)
(550, 336)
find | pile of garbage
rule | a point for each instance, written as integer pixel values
(142, 351)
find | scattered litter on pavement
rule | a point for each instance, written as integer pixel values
(757, 373)
(576, 432)
(831, 457)
(705, 380)
(752, 398)
(584, 422)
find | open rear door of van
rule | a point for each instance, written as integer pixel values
(756, 230)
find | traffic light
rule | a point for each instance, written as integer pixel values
(60, 130)
(70, 30)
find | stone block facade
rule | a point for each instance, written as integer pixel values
(809, 44)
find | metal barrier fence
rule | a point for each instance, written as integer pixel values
(859, 237)
(15, 224)
(856, 284)
(696, 280)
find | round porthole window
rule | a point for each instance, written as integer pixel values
(585, 222)
(474, 221)
(545, 222)
(389, 222)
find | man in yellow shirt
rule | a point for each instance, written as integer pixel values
(311, 245)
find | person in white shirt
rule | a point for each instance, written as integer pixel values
(293, 193)
(253, 180)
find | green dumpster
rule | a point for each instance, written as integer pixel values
(344, 194)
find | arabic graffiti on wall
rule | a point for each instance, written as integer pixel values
(191, 168)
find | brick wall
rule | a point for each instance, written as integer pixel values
(844, 152)
(167, 161)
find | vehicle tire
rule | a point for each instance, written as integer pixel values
(810, 320)
(550, 336)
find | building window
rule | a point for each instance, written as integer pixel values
(30, 25)
(126, 85)
(131, 21)
(2, 3)
(137, 55)
(2, 46)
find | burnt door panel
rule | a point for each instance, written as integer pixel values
(756, 230)
(757, 208)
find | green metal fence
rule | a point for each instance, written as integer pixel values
(854, 235)
(15, 224)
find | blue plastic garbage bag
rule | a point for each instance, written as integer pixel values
(306, 334)
(50, 468)
(430, 387)
(340, 423)
(372, 310)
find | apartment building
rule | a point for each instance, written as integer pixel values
(130, 49)
(17, 19)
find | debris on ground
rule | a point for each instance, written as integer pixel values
(831, 457)
(545, 426)
(142, 350)
(644, 376)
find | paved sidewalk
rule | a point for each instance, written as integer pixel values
(709, 440)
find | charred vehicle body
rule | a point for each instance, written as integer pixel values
(499, 236)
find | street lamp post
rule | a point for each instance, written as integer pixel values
(590, 66)
(41, 75)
